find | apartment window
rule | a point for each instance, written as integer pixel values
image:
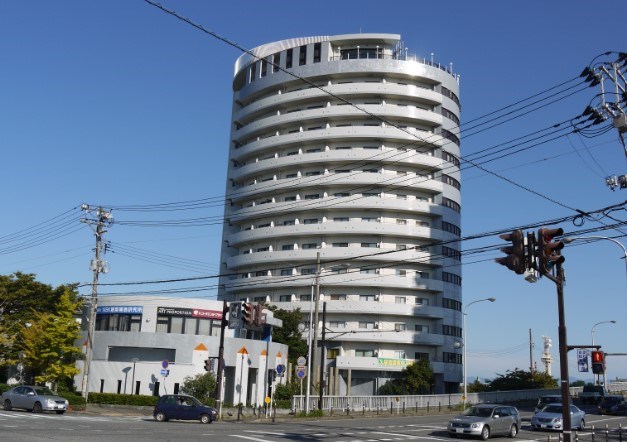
(450, 330)
(451, 205)
(401, 197)
(452, 304)
(333, 353)
(342, 170)
(294, 152)
(264, 67)
(370, 245)
(289, 222)
(452, 278)
(368, 270)
(311, 221)
(313, 196)
(341, 219)
(371, 170)
(314, 173)
(451, 228)
(451, 253)
(305, 298)
(287, 272)
(290, 198)
(367, 324)
(401, 272)
(337, 324)
(370, 194)
(400, 300)
(367, 298)
(302, 55)
(400, 247)
(261, 273)
(285, 298)
(338, 297)
(310, 245)
(343, 147)
(422, 301)
(317, 52)
(364, 353)
(341, 194)
(422, 223)
(316, 150)
(276, 59)
(308, 271)
(253, 72)
(452, 358)
(421, 328)
(291, 175)
(260, 226)
(368, 219)
(289, 56)
(287, 247)
(424, 275)
(399, 354)
(421, 356)
(263, 249)
(340, 244)
(401, 222)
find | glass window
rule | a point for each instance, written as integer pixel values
(287, 272)
(191, 325)
(311, 245)
(204, 327)
(400, 327)
(176, 324)
(302, 55)
(338, 297)
(400, 300)
(289, 55)
(162, 324)
(367, 298)
(287, 247)
(285, 298)
(317, 52)
(364, 353)
(366, 324)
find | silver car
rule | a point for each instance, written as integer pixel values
(550, 418)
(484, 420)
(33, 398)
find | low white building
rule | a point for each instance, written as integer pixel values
(148, 345)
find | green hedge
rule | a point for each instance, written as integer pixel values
(77, 402)
(122, 399)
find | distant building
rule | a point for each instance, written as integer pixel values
(348, 148)
(148, 345)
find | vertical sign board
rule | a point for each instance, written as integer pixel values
(582, 360)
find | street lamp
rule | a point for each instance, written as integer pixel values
(134, 361)
(598, 323)
(466, 344)
(570, 239)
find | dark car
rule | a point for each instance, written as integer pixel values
(613, 404)
(33, 398)
(484, 420)
(543, 401)
(180, 406)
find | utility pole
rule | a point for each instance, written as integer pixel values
(101, 219)
(218, 392)
(315, 324)
(530, 353)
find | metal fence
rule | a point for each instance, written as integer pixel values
(436, 401)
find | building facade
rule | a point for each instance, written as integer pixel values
(343, 198)
(148, 345)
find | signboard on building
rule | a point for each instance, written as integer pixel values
(389, 362)
(189, 312)
(119, 309)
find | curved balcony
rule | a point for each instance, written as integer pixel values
(380, 364)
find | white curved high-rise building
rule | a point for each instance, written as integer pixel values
(343, 177)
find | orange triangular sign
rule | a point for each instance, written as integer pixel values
(201, 347)
(243, 351)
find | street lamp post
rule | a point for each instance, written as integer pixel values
(466, 345)
(134, 361)
(570, 239)
(596, 377)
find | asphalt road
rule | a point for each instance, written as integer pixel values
(24, 426)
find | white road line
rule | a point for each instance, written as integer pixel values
(249, 438)
(264, 432)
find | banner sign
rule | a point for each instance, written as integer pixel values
(119, 309)
(582, 360)
(388, 362)
(192, 313)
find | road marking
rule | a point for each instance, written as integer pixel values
(264, 432)
(249, 438)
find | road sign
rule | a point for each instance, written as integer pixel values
(301, 360)
(165, 372)
(165, 364)
(301, 372)
(267, 400)
(280, 369)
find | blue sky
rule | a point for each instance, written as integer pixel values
(117, 103)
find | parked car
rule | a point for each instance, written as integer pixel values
(543, 401)
(484, 420)
(33, 398)
(550, 418)
(180, 406)
(613, 404)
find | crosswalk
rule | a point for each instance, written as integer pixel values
(25, 415)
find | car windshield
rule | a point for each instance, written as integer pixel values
(189, 400)
(43, 391)
(553, 409)
(479, 412)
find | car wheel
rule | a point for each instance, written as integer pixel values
(582, 425)
(37, 407)
(485, 433)
(60, 411)
(513, 431)
(7, 405)
(205, 419)
(161, 417)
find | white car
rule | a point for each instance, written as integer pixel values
(33, 398)
(551, 418)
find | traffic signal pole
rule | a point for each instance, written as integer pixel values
(218, 391)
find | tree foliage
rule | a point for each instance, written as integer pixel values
(48, 343)
(477, 387)
(518, 379)
(289, 334)
(416, 378)
(202, 387)
(22, 299)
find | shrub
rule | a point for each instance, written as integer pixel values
(122, 399)
(77, 402)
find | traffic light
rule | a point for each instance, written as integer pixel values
(515, 259)
(259, 318)
(208, 364)
(598, 362)
(548, 250)
(235, 315)
(248, 313)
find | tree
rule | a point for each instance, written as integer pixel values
(289, 334)
(477, 387)
(21, 299)
(416, 378)
(202, 386)
(48, 343)
(518, 379)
